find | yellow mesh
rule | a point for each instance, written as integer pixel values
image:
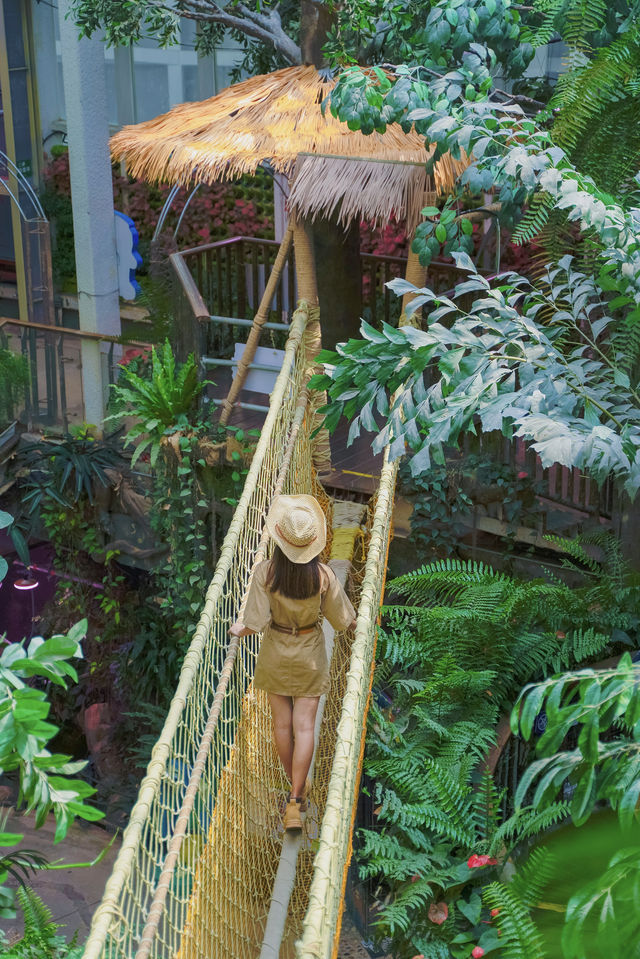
(194, 876)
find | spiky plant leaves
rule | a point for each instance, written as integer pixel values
(165, 403)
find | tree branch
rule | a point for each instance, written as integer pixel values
(265, 27)
(516, 97)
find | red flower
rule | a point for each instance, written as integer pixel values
(523, 474)
(478, 952)
(494, 913)
(475, 862)
(438, 912)
(415, 877)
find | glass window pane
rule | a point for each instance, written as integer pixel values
(190, 83)
(152, 90)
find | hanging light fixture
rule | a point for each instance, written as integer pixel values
(25, 583)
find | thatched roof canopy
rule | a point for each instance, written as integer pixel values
(275, 118)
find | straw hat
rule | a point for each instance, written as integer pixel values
(298, 526)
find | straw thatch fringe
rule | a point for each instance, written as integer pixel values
(365, 190)
(269, 118)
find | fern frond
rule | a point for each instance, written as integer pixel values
(534, 220)
(533, 876)
(520, 939)
(442, 581)
(579, 644)
(526, 823)
(585, 93)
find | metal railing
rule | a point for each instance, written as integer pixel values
(54, 399)
(231, 276)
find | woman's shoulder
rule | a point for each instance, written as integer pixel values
(261, 570)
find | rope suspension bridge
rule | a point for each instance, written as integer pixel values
(205, 870)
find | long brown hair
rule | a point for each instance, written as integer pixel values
(294, 580)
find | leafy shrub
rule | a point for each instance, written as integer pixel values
(164, 403)
(14, 382)
(449, 663)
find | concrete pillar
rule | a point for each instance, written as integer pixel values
(92, 197)
(46, 70)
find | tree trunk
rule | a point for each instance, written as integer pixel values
(337, 254)
(337, 249)
(315, 21)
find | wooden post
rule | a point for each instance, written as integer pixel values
(416, 274)
(259, 320)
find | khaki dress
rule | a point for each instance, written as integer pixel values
(288, 664)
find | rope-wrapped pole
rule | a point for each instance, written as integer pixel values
(255, 332)
(308, 290)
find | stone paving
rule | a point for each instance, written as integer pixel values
(71, 894)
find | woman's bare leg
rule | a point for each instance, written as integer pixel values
(282, 713)
(304, 718)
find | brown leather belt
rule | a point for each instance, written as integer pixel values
(294, 630)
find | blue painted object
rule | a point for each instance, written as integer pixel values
(129, 260)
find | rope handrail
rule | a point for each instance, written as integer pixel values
(110, 910)
(326, 896)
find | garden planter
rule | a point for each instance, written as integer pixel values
(212, 453)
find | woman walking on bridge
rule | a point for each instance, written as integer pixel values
(289, 596)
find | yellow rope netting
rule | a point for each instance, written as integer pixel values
(194, 876)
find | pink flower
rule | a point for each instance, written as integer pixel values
(438, 912)
(478, 952)
(415, 877)
(523, 474)
(475, 862)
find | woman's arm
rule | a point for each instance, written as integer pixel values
(239, 629)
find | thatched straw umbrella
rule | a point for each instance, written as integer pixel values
(278, 119)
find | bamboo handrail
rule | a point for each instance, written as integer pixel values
(83, 334)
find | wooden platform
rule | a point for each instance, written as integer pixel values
(356, 471)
